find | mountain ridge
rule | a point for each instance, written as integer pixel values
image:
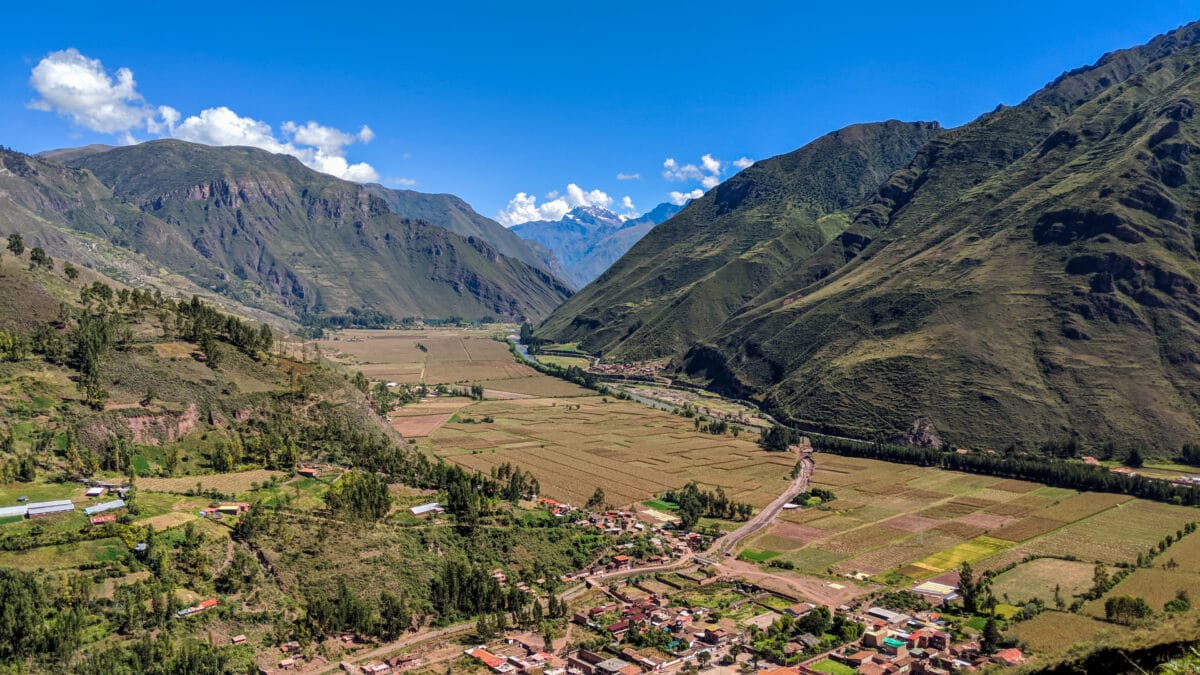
(1029, 276)
(272, 233)
(588, 239)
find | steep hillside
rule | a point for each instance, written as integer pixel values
(690, 273)
(1030, 276)
(588, 240)
(452, 213)
(43, 202)
(268, 231)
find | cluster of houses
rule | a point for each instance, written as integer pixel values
(632, 369)
(518, 656)
(556, 508)
(895, 643)
(198, 608)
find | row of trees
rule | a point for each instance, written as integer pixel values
(696, 503)
(1048, 470)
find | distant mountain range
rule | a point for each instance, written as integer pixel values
(265, 231)
(1031, 276)
(589, 239)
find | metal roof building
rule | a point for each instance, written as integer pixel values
(432, 507)
(49, 508)
(106, 506)
(8, 511)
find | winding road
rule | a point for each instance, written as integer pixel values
(721, 547)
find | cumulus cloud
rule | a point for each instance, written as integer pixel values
(743, 163)
(708, 172)
(74, 86)
(629, 176)
(81, 89)
(681, 198)
(524, 207)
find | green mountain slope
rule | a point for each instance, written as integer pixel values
(268, 231)
(454, 214)
(690, 273)
(1030, 276)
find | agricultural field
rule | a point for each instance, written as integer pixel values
(903, 524)
(1038, 578)
(442, 356)
(631, 451)
(225, 483)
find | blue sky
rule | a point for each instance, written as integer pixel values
(493, 100)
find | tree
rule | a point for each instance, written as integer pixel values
(1134, 459)
(1182, 602)
(208, 345)
(991, 635)
(16, 244)
(596, 500)
(704, 657)
(71, 271)
(38, 258)
(1100, 580)
(360, 496)
(1125, 609)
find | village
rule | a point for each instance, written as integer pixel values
(669, 609)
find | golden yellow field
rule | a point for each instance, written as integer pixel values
(442, 356)
(631, 451)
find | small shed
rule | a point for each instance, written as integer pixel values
(426, 509)
(104, 506)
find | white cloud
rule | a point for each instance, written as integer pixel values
(75, 86)
(629, 176)
(627, 203)
(524, 207)
(399, 180)
(681, 198)
(708, 172)
(743, 163)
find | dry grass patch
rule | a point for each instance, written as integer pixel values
(1038, 578)
(227, 483)
(1054, 632)
(1156, 585)
(419, 426)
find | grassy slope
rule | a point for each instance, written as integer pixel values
(1030, 275)
(452, 213)
(688, 274)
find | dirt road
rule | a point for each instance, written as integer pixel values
(724, 546)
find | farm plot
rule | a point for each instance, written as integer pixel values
(450, 356)
(968, 551)
(1155, 585)
(1081, 506)
(1038, 578)
(226, 483)
(1053, 632)
(1115, 535)
(629, 450)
